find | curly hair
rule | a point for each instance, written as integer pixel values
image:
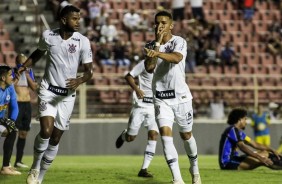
(235, 115)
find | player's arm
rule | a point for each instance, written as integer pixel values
(259, 146)
(33, 58)
(244, 148)
(31, 82)
(173, 57)
(87, 74)
(130, 80)
(13, 105)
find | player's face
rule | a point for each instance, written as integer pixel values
(163, 23)
(9, 78)
(72, 22)
(243, 123)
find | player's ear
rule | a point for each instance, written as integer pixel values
(171, 26)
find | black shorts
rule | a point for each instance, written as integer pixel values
(178, 14)
(24, 117)
(233, 163)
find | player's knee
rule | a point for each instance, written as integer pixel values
(185, 135)
(153, 135)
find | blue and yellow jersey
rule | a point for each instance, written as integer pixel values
(228, 144)
(260, 123)
(8, 100)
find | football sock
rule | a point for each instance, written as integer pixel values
(191, 150)
(40, 145)
(171, 157)
(20, 149)
(47, 160)
(2, 129)
(149, 153)
(8, 148)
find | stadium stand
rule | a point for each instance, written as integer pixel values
(108, 89)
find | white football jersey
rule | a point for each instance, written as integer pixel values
(145, 84)
(64, 56)
(169, 79)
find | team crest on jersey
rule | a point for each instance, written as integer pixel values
(72, 48)
(42, 106)
(8, 97)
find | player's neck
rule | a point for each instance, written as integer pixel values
(65, 34)
(166, 38)
(3, 85)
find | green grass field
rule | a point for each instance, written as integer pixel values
(124, 169)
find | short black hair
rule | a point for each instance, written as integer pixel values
(4, 69)
(68, 9)
(235, 115)
(163, 13)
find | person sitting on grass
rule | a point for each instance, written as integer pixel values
(234, 137)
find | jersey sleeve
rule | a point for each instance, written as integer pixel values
(137, 69)
(42, 45)
(86, 52)
(236, 136)
(13, 105)
(180, 46)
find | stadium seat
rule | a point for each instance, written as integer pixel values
(230, 70)
(211, 15)
(245, 69)
(10, 58)
(118, 4)
(123, 96)
(6, 45)
(149, 36)
(101, 80)
(238, 36)
(108, 69)
(215, 69)
(107, 96)
(244, 47)
(266, 59)
(208, 81)
(260, 26)
(137, 36)
(260, 69)
(245, 27)
(251, 59)
(224, 15)
(123, 70)
(133, 4)
(2, 58)
(224, 81)
(201, 69)
(229, 25)
(4, 34)
(218, 5)
(274, 70)
(193, 81)
(1, 24)
(148, 5)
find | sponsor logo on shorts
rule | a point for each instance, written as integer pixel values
(42, 106)
(169, 94)
(58, 90)
(148, 99)
(189, 117)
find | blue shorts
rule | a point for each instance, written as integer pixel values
(233, 163)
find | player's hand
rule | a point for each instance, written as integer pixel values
(140, 94)
(160, 33)
(19, 71)
(9, 124)
(72, 83)
(266, 161)
(151, 53)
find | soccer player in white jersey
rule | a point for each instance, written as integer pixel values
(142, 112)
(171, 94)
(66, 49)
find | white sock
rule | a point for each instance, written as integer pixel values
(40, 145)
(47, 160)
(171, 157)
(149, 153)
(2, 129)
(191, 150)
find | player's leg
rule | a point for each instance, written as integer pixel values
(184, 117)
(61, 124)
(3, 131)
(150, 149)
(165, 118)
(50, 153)
(24, 127)
(7, 154)
(134, 123)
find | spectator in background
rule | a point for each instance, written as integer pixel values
(229, 57)
(211, 53)
(192, 46)
(178, 7)
(23, 84)
(274, 109)
(104, 54)
(120, 52)
(274, 43)
(101, 19)
(146, 22)
(131, 22)
(249, 9)
(260, 124)
(197, 10)
(94, 9)
(108, 31)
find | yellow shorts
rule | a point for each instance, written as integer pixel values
(263, 139)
